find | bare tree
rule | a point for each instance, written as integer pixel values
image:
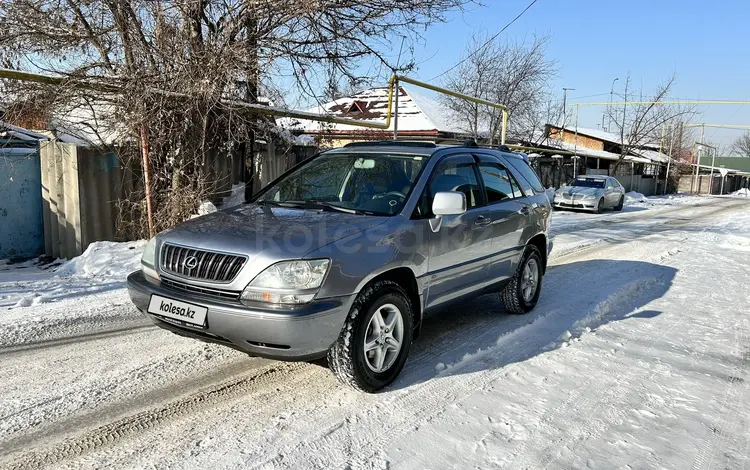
(160, 72)
(742, 145)
(640, 124)
(529, 127)
(515, 74)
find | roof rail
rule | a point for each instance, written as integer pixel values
(399, 143)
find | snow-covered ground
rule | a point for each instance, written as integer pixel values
(636, 356)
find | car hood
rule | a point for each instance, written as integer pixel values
(580, 191)
(267, 234)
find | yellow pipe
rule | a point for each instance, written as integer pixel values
(45, 79)
(720, 126)
(535, 149)
(503, 108)
(622, 103)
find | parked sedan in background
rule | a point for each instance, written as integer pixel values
(591, 193)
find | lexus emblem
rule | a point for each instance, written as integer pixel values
(190, 262)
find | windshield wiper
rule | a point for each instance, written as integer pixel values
(279, 204)
(324, 205)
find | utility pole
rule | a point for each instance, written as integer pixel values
(697, 158)
(669, 156)
(611, 92)
(565, 104)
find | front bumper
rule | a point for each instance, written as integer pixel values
(295, 333)
(580, 204)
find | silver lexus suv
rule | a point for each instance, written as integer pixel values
(346, 254)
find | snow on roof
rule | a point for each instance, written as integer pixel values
(600, 135)
(17, 151)
(652, 155)
(86, 123)
(593, 153)
(415, 113)
(20, 133)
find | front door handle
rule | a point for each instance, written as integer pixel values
(482, 221)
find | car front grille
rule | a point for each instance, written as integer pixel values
(201, 265)
(217, 293)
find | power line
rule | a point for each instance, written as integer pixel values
(486, 43)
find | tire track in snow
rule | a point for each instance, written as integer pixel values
(581, 397)
(110, 433)
(341, 438)
(340, 430)
(35, 346)
(452, 392)
(595, 428)
(651, 228)
(730, 401)
(342, 444)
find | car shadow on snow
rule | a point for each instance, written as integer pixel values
(479, 334)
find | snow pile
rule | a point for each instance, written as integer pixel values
(104, 266)
(289, 137)
(206, 207)
(104, 260)
(744, 192)
(635, 197)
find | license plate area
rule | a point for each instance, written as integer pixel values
(178, 310)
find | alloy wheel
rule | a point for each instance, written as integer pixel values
(383, 338)
(530, 280)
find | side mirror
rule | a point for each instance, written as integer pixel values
(446, 203)
(449, 203)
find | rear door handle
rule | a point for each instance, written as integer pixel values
(524, 210)
(482, 221)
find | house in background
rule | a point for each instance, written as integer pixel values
(419, 118)
(593, 151)
(719, 175)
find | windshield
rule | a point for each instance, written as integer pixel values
(367, 183)
(588, 182)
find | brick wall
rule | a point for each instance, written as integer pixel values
(582, 140)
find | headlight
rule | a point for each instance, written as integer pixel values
(590, 196)
(288, 282)
(148, 259)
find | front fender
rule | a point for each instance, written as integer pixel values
(358, 259)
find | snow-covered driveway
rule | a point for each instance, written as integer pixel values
(637, 355)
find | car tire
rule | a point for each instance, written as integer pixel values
(347, 358)
(512, 295)
(618, 207)
(600, 206)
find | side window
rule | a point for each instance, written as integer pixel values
(451, 176)
(529, 177)
(498, 182)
